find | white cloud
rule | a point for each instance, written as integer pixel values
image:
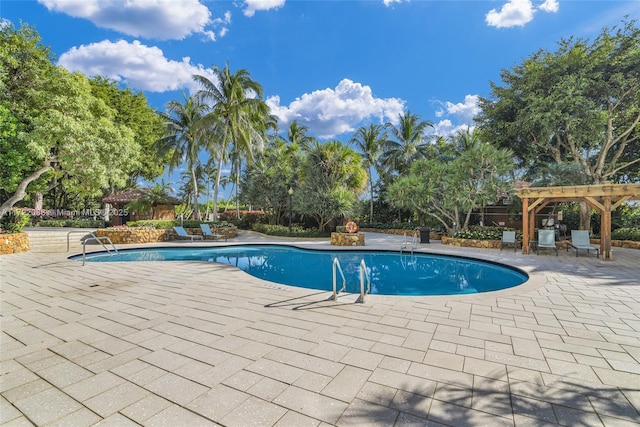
(550, 6)
(463, 112)
(390, 2)
(513, 13)
(152, 19)
(331, 112)
(140, 67)
(517, 13)
(254, 5)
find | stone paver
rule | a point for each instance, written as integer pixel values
(187, 343)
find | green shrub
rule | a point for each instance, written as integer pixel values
(75, 223)
(388, 225)
(485, 233)
(283, 230)
(626, 234)
(14, 221)
(196, 224)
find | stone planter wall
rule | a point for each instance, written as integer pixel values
(347, 239)
(14, 243)
(471, 243)
(630, 244)
(133, 235)
(130, 235)
(399, 232)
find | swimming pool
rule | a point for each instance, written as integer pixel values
(391, 273)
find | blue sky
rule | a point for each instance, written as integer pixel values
(332, 65)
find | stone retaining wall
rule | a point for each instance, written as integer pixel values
(347, 239)
(630, 244)
(128, 235)
(133, 235)
(14, 243)
(562, 244)
(400, 231)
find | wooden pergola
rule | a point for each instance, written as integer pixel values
(605, 198)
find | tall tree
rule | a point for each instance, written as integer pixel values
(409, 143)
(239, 117)
(450, 191)
(298, 134)
(185, 138)
(59, 123)
(577, 105)
(133, 111)
(331, 179)
(266, 181)
(369, 142)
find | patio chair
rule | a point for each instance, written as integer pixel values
(207, 233)
(182, 234)
(547, 239)
(508, 238)
(580, 240)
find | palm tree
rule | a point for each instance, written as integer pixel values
(298, 134)
(410, 143)
(239, 116)
(184, 138)
(369, 141)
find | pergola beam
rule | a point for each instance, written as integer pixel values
(605, 198)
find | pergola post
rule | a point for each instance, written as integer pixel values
(605, 229)
(525, 225)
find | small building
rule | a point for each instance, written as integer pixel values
(119, 214)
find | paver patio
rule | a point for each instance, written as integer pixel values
(187, 343)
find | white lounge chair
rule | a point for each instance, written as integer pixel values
(182, 234)
(509, 238)
(580, 240)
(546, 239)
(206, 232)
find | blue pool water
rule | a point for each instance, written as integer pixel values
(391, 273)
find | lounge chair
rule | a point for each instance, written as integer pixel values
(508, 238)
(182, 234)
(580, 240)
(546, 239)
(207, 233)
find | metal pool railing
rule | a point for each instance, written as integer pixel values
(336, 269)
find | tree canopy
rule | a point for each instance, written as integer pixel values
(62, 133)
(579, 105)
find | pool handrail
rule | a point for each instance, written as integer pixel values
(99, 239)
(76, 231)
(364, 273)
(414, 242)
(338, 268)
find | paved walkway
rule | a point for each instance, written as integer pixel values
(189, 344)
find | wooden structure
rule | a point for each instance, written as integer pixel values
(603, 197)
(163, 209)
